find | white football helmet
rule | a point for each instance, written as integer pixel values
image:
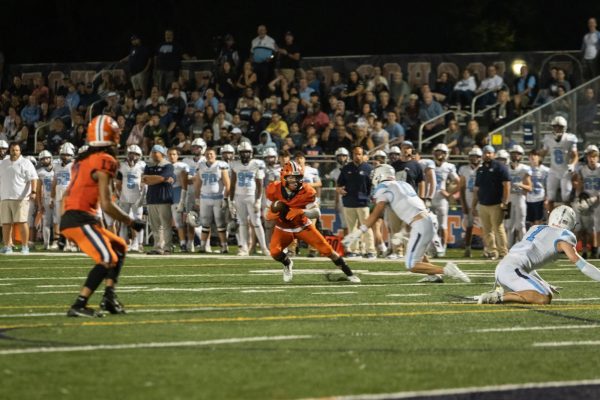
(193, 219)
(380, 153)
(559, 122)
(562, 217)
(3, 144)
(383, 172)
(441, 147)
(342, 151)
(44, 154)
(200, 143)
(227, 148)
(502, 154)
(476, 151)
(516, 149)
(67, 148)
(244, 146)
(270, 152)
(134, 148)
(394, 150)
(32, 159)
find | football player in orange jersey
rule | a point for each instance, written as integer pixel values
(91, 184)
(292, 206)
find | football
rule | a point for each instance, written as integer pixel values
(277, 206)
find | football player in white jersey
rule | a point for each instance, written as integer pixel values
(3, 149)
(341, 157)
(520, 175)
(562, 148)
(516, 274)
(181, 171)
(198, 148)
(132, 193)
(502, 156)
(587, 185)
(406, 204)
(246, 193)
(444, 173)
(312, 178)
(467, 174)
(272, 174)
(537, 196)
(62, 178)
(46, 176)
(212, 182)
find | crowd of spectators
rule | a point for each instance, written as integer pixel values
(268, 100)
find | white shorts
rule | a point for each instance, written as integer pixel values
(512, 277)
(421, 235)
(557, 180)
(177, 217)
(439, 206)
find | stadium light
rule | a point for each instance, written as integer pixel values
(516, 66)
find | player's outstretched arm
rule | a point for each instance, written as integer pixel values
(585, 267)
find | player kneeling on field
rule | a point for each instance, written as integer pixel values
(404, 202)
(293, 205)
(516, 273)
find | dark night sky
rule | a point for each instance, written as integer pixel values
(70, 30)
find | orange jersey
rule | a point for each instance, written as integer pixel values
(82, 193)
(297, 203)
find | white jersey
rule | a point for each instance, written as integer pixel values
(62, 174)
(272, 174)
(469, 173)
(46, 176)
(559, 151)
(443, 173)
(517, 175)
(538, 183)
(193, 165)
(131, 189)
(538, 246)
(212, 179)
(246, 175)
(426, 164)
(591, 180)
(311, 175)
(179, 167)
(402, 199)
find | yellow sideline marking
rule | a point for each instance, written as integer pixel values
(482, 310)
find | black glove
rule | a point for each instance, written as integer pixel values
(583, 196)
(507, 211)
(137, 225)
(284, 211)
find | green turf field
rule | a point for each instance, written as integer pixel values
(228, 328)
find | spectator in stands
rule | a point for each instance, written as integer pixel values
(248, 78)
(464, 90)
(453, 136)
(399, 89)
(208, 99)
(167, 61)
(61, 110)
(72, 97)
(504, 111)
(429, 110)
(410, 119)
(354, 185)
(525, 89)
(443, 88)
(9, 127)
(561, 80)
(280, 88)
(589, 47)
(561, 106)
(21, 135)
(378, 82)
(139, 61)
(304, 91)
(229, 54)
(262, 52)
(312, 147)
(587, 112)
(337, 85)
(289, 57)
(362, 138)
(40, 90)
(248, 103)
(154, 133)
(494, 82)
(314, 82)
(379, 136)
(471, 138)
(106, 84)
(277, 127)
(354, 89)
(395, 130)
(159, 197)
(57, 135)
(31, 112)
(315, 117)
(255, 126)
(384, 104)
(265, 142)
(225, 86)
(87, 98)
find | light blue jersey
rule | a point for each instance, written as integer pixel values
(538, 246)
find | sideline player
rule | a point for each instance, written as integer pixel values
(587, 186)
(133, 193)
(91, 184)
(198, 148)
(406, 204)
(293, 206)
(272, 174)
(46, 176)
(537, 196)
(444, 172)
(520, 176)
(181, 171)
(516, 274)
(62, 177)
(467, 174)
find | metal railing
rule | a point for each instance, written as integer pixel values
(35, 134)
(440, 133)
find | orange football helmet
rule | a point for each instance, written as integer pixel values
(292, 173)
(103, 131)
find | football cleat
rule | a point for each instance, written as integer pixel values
(353, 279)
(453, 271)
(288, 272)
(111, 303)
(83, 312)
(431, 279)
(493, 297)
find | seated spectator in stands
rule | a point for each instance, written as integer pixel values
(443, 88)
(87, 98)
(72, 97)
(111, 105)
(255, 126)
(31, 112)
(340, 111)
(561, 80)
(453, 136)
(247, 78)
(106, 84)
(270, 106)
(526, 87)
(503, 112)
(154, 133)
(44, 113)
(18, 89)
(562, 105)
(385, 104)
(361, 137)
(472, 137)
(354, 89)
(61, 110)
(154, 102)
(410, 118)
(197, 125)
(314, 82)
(166, 119)
(279, 88)
(209, 115)
(277, 127)
(370, 99)
(587, 112)
(208, 99)
(181, 142)
(247, 104)
(232, 137)
(394, 129)
(265, 142)
(296, 136)
(176, 104)
(429, 110)
(9, 125)
(316, 118)
(378, 82)
(225, 86)
(228, 53)
(292, 112)
(219, 125)
(399, 89)
(337, 85)
(208, 135)
(40, 90)
(236, 122)
(78, 134)
(312, 147)
(365, 112)
(57, 135)
(380, 136)
(464, 90)
(494, 82)
(304, 91)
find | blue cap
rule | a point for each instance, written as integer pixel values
(407, 143)
(488, 149)
(159, 149)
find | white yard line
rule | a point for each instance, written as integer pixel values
(535, 328)
(577, 299)
(150, 345)
(406, 294)
(262, 291)
(567, 344)
(334, 293)
(466, 390)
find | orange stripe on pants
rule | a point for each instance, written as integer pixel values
(100, 244)
(282, 239)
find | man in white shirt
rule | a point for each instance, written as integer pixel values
(18, 183)
(492, 82)
(589, 47)
(262, 51)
